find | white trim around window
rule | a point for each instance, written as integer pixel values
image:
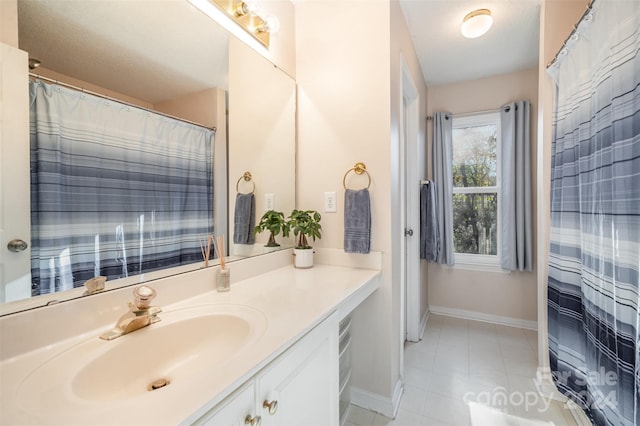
(480, 262)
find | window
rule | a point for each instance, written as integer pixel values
(476, 195)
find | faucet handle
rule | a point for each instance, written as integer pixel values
(94, 285)
(142, 296)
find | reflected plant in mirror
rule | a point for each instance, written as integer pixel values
(130, 207)
(275, 223)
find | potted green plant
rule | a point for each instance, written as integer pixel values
(275, 223)
(304, 224)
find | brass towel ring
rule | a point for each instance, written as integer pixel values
(359, 169)
(247, 178)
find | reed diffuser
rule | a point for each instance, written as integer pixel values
(223, 279)
(206, 249)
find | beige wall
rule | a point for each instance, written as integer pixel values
(509, 295)
(349, 108)
(262, 109)
(343, 77)
(557, 19)
(282, 44)
(200, 107)
(560, 16)
(44, 72)
(9, 22)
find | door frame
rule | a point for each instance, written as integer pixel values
(15, 267)
(410, 213)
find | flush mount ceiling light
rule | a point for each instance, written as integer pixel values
(476, 23)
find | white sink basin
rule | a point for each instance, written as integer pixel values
(186, 343)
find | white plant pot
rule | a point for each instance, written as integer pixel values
(303, 258)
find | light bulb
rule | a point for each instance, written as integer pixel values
(271, 24)
(253, 7)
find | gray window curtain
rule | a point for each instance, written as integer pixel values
(516, 209)
(443, 180)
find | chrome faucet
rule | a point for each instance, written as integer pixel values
(140, 314)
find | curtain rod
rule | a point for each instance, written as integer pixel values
(573, 31)
(506, 108)
(100, 95)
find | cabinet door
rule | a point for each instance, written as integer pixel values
(303, 382)
(233, 410)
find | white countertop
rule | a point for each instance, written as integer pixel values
(293, 302)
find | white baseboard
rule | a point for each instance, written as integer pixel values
(479, 316)
(547, 389)
(578, 414)
(423, 323)
(388, 407)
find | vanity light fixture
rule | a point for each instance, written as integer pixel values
(476, 23)
(247, 14)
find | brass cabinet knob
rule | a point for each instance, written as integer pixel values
(271, 406)
(253, 421)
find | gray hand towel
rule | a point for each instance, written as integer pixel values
(429, 235)
(357, 221)
(244, 219)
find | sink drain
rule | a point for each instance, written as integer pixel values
(157, 384)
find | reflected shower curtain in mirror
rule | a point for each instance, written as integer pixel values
(115, 190)
(594, 259)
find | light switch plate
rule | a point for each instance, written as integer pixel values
(269, 203)
(330, 202)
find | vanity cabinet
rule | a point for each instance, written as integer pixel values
(300, 387)
(234, 410)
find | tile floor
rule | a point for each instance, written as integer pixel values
(470, 373)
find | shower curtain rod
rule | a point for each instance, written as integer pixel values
(573, 31)
(464, 114)
(100, 95)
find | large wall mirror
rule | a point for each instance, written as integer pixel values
(167, 56)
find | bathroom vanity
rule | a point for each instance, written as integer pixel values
(265, 352)
(300, 387)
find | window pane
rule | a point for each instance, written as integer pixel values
(475, 156)
(475, 223)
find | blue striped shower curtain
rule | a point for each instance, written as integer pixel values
(594, 260)
(115, 190)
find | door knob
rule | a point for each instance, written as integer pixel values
(408, 232)
(17, 245)
(253, 421)
(271, 406)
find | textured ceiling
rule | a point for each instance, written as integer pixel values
(447, 57)
(151, 50)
